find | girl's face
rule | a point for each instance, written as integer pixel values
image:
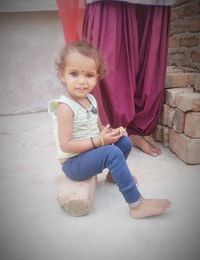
(80, 74)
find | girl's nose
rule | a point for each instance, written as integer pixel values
(81, 79)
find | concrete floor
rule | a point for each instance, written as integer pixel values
(34, 227)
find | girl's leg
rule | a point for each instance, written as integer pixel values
(92, 162)
(125, 145)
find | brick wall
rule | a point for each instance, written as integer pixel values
(184, 42)
(179, 123)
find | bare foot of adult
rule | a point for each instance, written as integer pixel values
(109, 178)
(150, 207)
(145, 146)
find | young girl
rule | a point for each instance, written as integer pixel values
(84, 146)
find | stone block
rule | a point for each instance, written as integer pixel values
(176, 80)
(167, 115)
(186, 148)
(174, 69)
(170, 94)
(192, 125)
(179, 120)
(192, 78)
(197, 83)
(157, 134)
(165, 136)
(188, 101)
(76, 197)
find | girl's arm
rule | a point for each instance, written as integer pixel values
(67, 144)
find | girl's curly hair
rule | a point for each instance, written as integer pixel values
(84, 48)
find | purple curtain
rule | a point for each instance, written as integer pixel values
(134, 41)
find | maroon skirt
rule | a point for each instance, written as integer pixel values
(134, 42)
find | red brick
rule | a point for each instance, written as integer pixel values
(184, 147)
(173, 43)
(167, 115)
(179, 120)
(177, 27)
(174, 80)
(192, 125)
(177, 56)
(188, 101)
(194, 25)
(189, 41)
(170, 94)
(195, 56)
(174, 15)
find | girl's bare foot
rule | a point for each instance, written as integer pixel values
(145, 146)
(109, 178)
(150, 207)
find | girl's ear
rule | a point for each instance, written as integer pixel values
(62, 77)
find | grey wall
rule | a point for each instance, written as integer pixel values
(29, 44)
(27, 5)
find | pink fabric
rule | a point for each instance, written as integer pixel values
(134, 41)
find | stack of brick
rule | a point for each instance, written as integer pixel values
(179, 123)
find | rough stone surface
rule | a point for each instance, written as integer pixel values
(175, 80)
(165, 136)
(167, 115)
(184, 147)
(179, 121)
(192, 78)
(157, 134)
(188, 101)
(197, 83)
(192, 125)
(170, 94)
(76, 196)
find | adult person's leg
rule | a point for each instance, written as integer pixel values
(153, 27)
(111, 26)
(133, 40)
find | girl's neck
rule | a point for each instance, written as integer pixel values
(76, 98)
(83, 101)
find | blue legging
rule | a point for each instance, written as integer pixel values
(113, 157)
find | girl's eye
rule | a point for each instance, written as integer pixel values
(74, 74)
(90, 75)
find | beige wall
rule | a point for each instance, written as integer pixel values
(29, 44)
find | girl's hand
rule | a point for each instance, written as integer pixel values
(110, 135)
(122, 131)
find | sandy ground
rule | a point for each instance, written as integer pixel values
(34, 227)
